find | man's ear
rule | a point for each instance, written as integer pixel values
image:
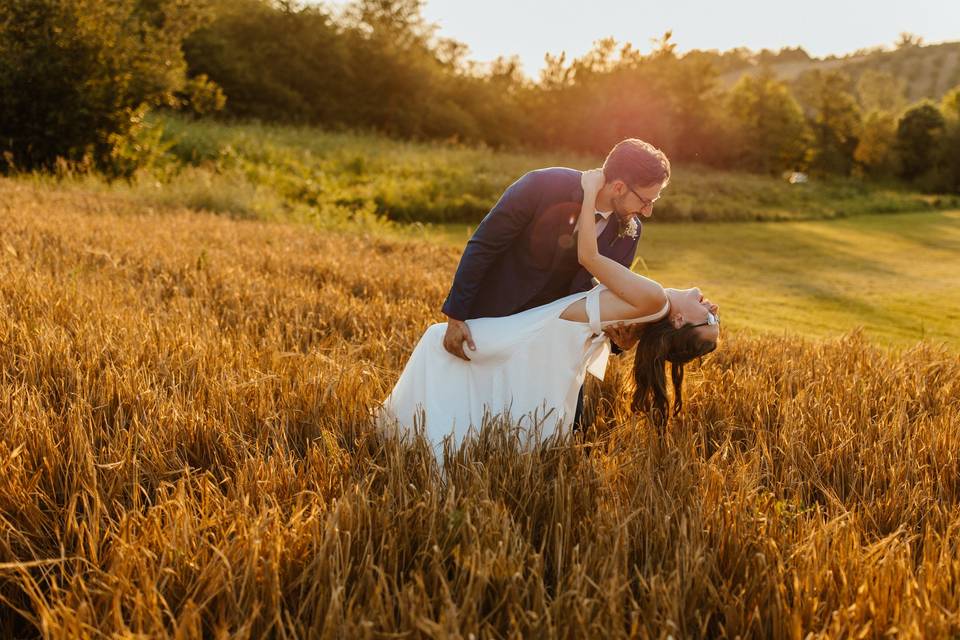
(676, 320)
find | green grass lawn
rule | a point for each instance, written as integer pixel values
(894, 275)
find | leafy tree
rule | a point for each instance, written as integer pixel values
(77, 76)
(690, 84)
(950, 104)
(834, 118)
(767, 57)
(948, 161)
(918, 134)
(908, 40)
(202, 96)
(881, 91)
(948, 166)
(275, 62)
(793, 54)
(377, 66)
(608, 94)
(771, 132)
(875, 148)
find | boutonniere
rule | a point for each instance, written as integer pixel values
(630, 228)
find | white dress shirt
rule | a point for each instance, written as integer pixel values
(601, 224)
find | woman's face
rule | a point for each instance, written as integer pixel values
(690, 306)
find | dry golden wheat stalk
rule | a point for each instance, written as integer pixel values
(185, 451)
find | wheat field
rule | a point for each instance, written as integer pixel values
(185, 451)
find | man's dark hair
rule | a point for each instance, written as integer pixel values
(637, 163)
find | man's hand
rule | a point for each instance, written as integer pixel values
(625, 337)
(453, 339)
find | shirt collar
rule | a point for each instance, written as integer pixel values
(577, 196)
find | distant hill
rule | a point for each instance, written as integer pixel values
(928, 71)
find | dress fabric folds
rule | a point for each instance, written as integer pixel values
(528, 368)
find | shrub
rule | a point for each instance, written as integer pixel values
(78, 76)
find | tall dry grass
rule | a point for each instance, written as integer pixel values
(185, 451)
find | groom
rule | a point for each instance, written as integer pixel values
(524, 252)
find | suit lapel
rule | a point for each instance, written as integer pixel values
(609, 234)
(606, 241)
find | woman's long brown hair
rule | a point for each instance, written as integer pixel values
(659, 344)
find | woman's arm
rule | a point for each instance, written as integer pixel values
(641, 292)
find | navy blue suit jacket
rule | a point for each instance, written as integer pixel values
(510, 256)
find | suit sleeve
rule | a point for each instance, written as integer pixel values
(498, 229)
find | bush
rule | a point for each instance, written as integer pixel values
(78, 76)
(918, 132)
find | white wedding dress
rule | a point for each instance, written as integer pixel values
(528, 367)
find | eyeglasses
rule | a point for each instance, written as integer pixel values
(643, 201)
(711, 320)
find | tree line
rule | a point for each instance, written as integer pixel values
(78, 76)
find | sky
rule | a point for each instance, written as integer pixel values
(531, 28)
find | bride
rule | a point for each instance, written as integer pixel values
(530, 366)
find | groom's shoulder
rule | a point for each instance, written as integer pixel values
(557, 180)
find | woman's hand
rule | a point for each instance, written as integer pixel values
(592, 181)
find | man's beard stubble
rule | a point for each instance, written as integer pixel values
(621, 212)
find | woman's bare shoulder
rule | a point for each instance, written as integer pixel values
(613, 307)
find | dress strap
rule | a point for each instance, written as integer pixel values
(653, 317)
(593, 309)
(598, 349)
(659, 314)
